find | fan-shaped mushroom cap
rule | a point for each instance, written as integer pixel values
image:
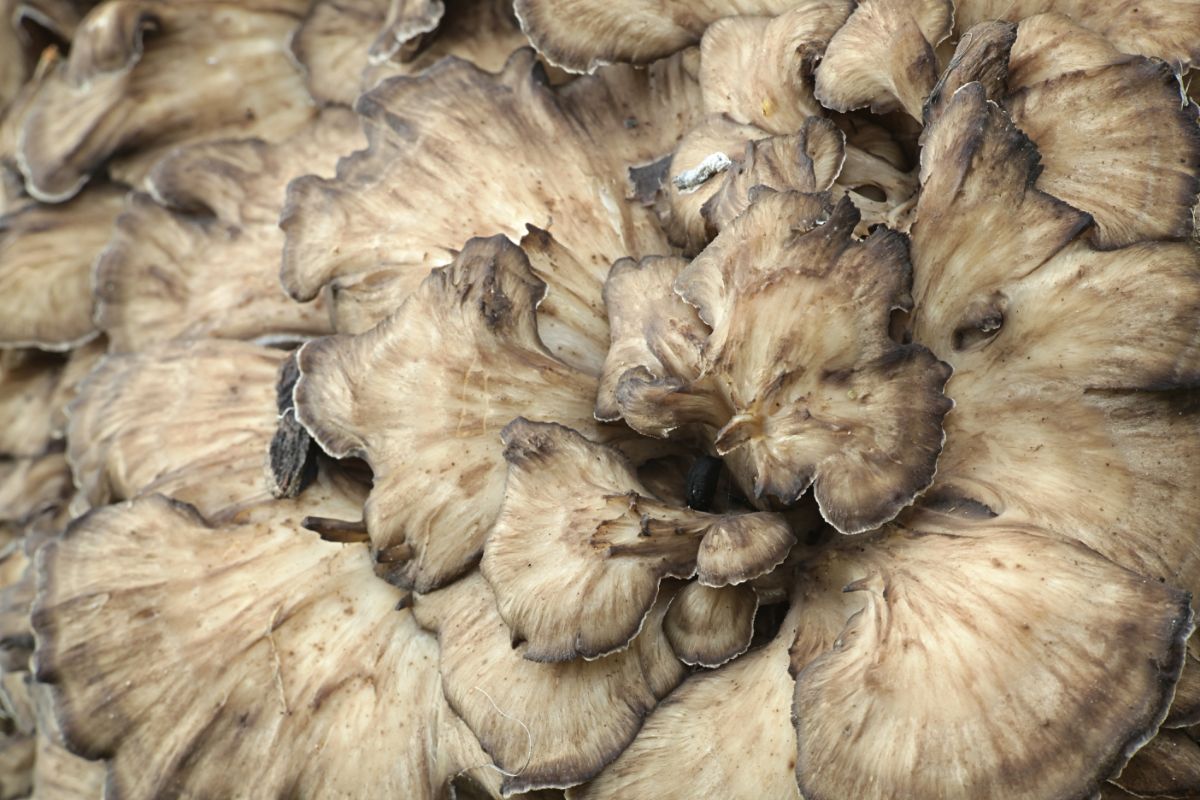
(277, 674)
(1164, 29)
(345, 50)
(1049, 664)
(581, 35)
(199, 255)
(35, 387)
(46, 256)
(654, 332)
(728, 733)
(758, 70)
(423, 398)
(1075, 369)
(497, 152)
(544, 725)
(708, 626)
(1168, 766)
(149, 74)
(579, 547)
(704, 196)
(191, 420)
(883, 57)
(1133, 165)
(823, 398)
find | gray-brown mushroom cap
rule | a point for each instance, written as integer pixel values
(423, 397)
(123, 87)
(1016, 663)
(545, 725)
(824, 398)
(580, 546)
(1075, 369)
(197, 255)
(278, 673)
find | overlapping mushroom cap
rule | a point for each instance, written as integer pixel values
(596, 338)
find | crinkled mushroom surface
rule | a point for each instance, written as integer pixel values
(198, 254)
(277, 674)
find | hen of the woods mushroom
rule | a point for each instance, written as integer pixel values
(627, 398)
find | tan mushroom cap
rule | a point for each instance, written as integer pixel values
(30, 485)
(190, 420)
(758, 70)
(994, 666)
(153, 74)
(46, 256)
(344, 48)
(728, 732)
(1168, 766)
(16, 764)
(581, 35)
(654, 332)
(718, 164)
(544, 725)
(481, 154)
(26, 27)
(1132, 161)
(198, 256)
(709, 626)
(883, 57)
(804, 380)
(1165, 29)
(579, 546)
(35, 385)
(275, 678)
(423, 398)
(1075, 369)
(1185, 707)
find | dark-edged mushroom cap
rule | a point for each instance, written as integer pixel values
(654, 332)
(345, 49)
(544, 725)
(758, 70)
(728, 732)
(423, 397)
(1185, 707)
(581, 35)
(191, 420)
(804, 385)
(1132, 162)
(198, 256)
(708, 626)
(481, 154)
(718, 164)
(1168, 766)
(277, 674)
(1075, 369)
(579, 546)
(1050, 664)
(883, 57)
(145, 75)
(46, 256)
(1165, 29)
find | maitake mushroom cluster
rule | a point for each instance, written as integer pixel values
(742, 399)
